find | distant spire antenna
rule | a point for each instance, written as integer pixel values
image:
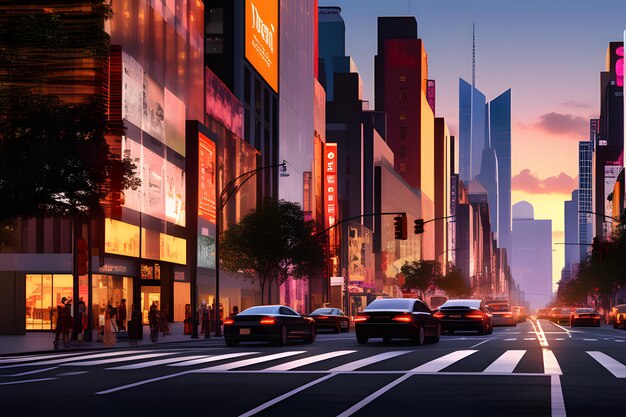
(473, 56)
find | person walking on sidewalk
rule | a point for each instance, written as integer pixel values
(165, 325)
(109, 326)
(64, 323)
(121, 315)
(154, 320)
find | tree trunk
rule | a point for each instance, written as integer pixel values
(262, 284)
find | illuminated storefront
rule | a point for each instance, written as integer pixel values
(43, 294)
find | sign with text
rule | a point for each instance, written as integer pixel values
(330, 184)
(262, 38)
(206, 178)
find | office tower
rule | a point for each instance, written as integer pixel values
(572, 250)
(473, 137)
(585, 198)
(500, 131)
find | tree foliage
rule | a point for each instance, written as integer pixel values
(420, 276)
(275, 242)
(453, 283)
(53, 152)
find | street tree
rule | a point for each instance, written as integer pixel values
(275, 242)
(453, 283)
(420, 276)
(54, 153)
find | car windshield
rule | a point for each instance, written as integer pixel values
(461, 303)
(324, 311)
(390, 304)
(585, 310)
(566, 310)
(499, 307)
(254, 311)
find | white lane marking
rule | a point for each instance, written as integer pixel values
(541, 336)
(590, 340)
(63, 360)
(284, 396)
(356, 407)
(157, 362)
(72, 373)
(368, 361)
(307, 361)
(144, 382)
(26, 381)
(37, 357)
(480, 343)
(36, 371)
(559, 338)
(529, 338)
(438, 364)
(115, 360)
(619, 341)
(550, 364)
(616, 368)
(567, 330)
(247, 362)
(212, 359)
(556, 397)
(507, 362)
(510, 340)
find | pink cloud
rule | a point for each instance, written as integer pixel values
(528, 182)
(563, 124)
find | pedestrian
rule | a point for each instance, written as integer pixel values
(154, 322)
(64, 323)
(81, 320)
(235, 311)
(165, 324)
(204, 316)
(188, 319)
(109, 326)
(121, 315)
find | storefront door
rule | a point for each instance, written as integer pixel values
(149, 294)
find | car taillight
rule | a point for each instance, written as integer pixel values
(576, 316)
(228, 321)
(474, 316)
(360, 319)
(596, 316)
(322, 317)
(439, 315)
(508, 315)
(268, 321)
(404, 318)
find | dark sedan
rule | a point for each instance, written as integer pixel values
(584, 317)
(276, 324)
(465, 315)
(397, 318)
(331, 318)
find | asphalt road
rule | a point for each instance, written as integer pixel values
(528, 370)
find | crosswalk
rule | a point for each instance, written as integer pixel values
(508, 362)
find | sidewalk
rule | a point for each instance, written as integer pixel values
(33, 342)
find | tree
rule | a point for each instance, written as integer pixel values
(419, 276)
(275, 242)
(53, 151)
(453, 283)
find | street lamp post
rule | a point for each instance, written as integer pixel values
(228, 191)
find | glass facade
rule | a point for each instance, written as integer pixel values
(43, 294)
(472, 130)
(585, 196)
(109, 289)
(500, 130)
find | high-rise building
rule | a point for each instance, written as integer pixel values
(532, 255)
(473, 138)
(572, 250)
(585, 197)
(500, 131)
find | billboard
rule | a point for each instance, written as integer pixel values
(132, 90)
(611, 172)
(206, 178)
(221, 104)
(262, 35)
(153, 116)
(175, 112)
(330, 183)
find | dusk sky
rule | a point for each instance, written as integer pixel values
(549, 52)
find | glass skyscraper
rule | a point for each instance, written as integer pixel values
(500, 129)
(473, 138)
(585, 200)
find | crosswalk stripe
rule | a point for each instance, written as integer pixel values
(114, 360)
(37, 357)
(253, 361)
(307, 361)
(75, 358)
(438, 364)
(550, 364)
(507, 362)
(157, 362)
(611, 365)
(368, 361)
(212, 359)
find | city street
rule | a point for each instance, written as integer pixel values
(529, 370)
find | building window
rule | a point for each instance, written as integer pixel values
(402, 133)
(402, 94)
(257, 96)
(247, 79)
(402, 167)
(402, 116)
(43, 295)
(403, 78)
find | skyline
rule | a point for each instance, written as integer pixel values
(554, 94)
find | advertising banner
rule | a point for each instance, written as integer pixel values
(174, 194)
(174, 122)
(262, 38)
(153, 108)
(206, 178)
(330, 183)
(132, 90)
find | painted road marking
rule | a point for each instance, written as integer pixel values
(212, 359)
(438, 364)
(247, 362)
(157, 362)
(616, 368)
(36, 371)
(307, 361)
(63, 360)
(368, 361)
(26, 381)
(541, 336)
(550, 364)
(37, 357)
(114, 360)
(556, 397)
(507, 362)
(356, 407)
(590, 340)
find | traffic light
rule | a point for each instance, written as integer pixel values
(419, 226)
(399, 223)
(82, 256)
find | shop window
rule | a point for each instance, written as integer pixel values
(43, 294)
(108, 289)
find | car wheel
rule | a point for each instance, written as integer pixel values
(482, 330)
(231, 342)
(490, 329)
(419, 337)
(362, 339)
(312, 335)
(283, 336)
